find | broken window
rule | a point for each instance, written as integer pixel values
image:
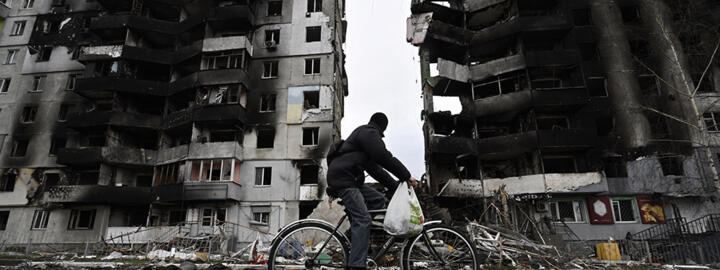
(167, 174)
(81, 219)
(7, 182)
(582, 17)
(44, 54)
(88, 178)
(597, 86)
(312, 33)
(570, 211)
(671, 165)
(604, 125)
(224, 136)
(4, 217)
(63, 113)
(49, 26)
(589, 51)
(270, 69)
(274, 8)
(624, 210)
(224, 94)
(640, 49)
(314, 5)
(712, 119)
(267, 103)
(614, 167)
(503, 84)
(28, 3)
(224, 60)
(10, 59)
(263, 176)
(630, 15)
(38, 83)
(272, 38)
(556, 77)
(40, 219)
(18, 28)
(309, 174)
(19, 148)
(176, 217)
(265, 138)
(72, 79)
(143, 181)
(213, 170)
(312, 66)
(4, 85)
(306, 209)
(212, 217)
(52, 179)
(552, 122)
(311, 100)
(310, 136)
(559, 164)
(55, 144)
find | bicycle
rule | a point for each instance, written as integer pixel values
(296, 246)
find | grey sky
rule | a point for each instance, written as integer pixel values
(383, 74)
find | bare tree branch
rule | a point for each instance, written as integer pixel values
(672, 117)
(706, 69)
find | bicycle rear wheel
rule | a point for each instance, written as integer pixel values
(444, 248)
(296, 246)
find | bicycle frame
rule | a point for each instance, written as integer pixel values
(388, 243)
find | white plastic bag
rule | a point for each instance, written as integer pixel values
(404, 216)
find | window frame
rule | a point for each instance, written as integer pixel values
(280, 13)
(266, 99)
(11, 58)
(38, 84)
(55, 145)
(271, 69)
(16, 147)
(577, 205)
(314, 63)
(27, 4)
(74, 220)
(213, 217)
(315, 133)
(604, 87)
(272, 35)
(7, 182)
(308, 30)
(18, 28)
(264, 175)
(5, 85)
(714, 117)
(44, 54)
(41, 224)
(262, 215)
(314, 6)
(4, 219)
(72, 81)
(633, 205)
(209, 177)
(32, 114)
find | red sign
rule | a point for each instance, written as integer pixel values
(651, 211)
(599, 210)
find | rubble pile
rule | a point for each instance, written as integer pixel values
(511, 248)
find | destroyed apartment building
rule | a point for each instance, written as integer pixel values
(598, 116)
(212, 115)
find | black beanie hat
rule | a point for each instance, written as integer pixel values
(380, 120)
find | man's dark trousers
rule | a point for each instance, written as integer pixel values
(357, 202)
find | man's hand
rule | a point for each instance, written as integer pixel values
(413, 182)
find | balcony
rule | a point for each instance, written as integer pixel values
(96, 119)
(119, 156)
(197, 191)
(210, 150)
(238, 15)
(103, 87)
(546, 100)
(220, 113)
(208, 77)
(553, 183)
(508, 146)
(95, 194)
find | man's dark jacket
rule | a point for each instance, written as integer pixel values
(364, 151)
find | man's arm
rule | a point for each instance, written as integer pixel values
(379, 174)
(375, 149)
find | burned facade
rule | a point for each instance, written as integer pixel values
(202, 114)
(597, 115)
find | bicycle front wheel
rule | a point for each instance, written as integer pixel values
(439, 247)
(309, 246)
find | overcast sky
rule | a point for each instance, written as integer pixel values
(384, 74)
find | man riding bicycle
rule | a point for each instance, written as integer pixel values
(364, 151)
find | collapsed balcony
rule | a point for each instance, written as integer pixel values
(100, 119)
(116, 155)
(211, 113)
(508, 146)
(549, 183)
(97, 194)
